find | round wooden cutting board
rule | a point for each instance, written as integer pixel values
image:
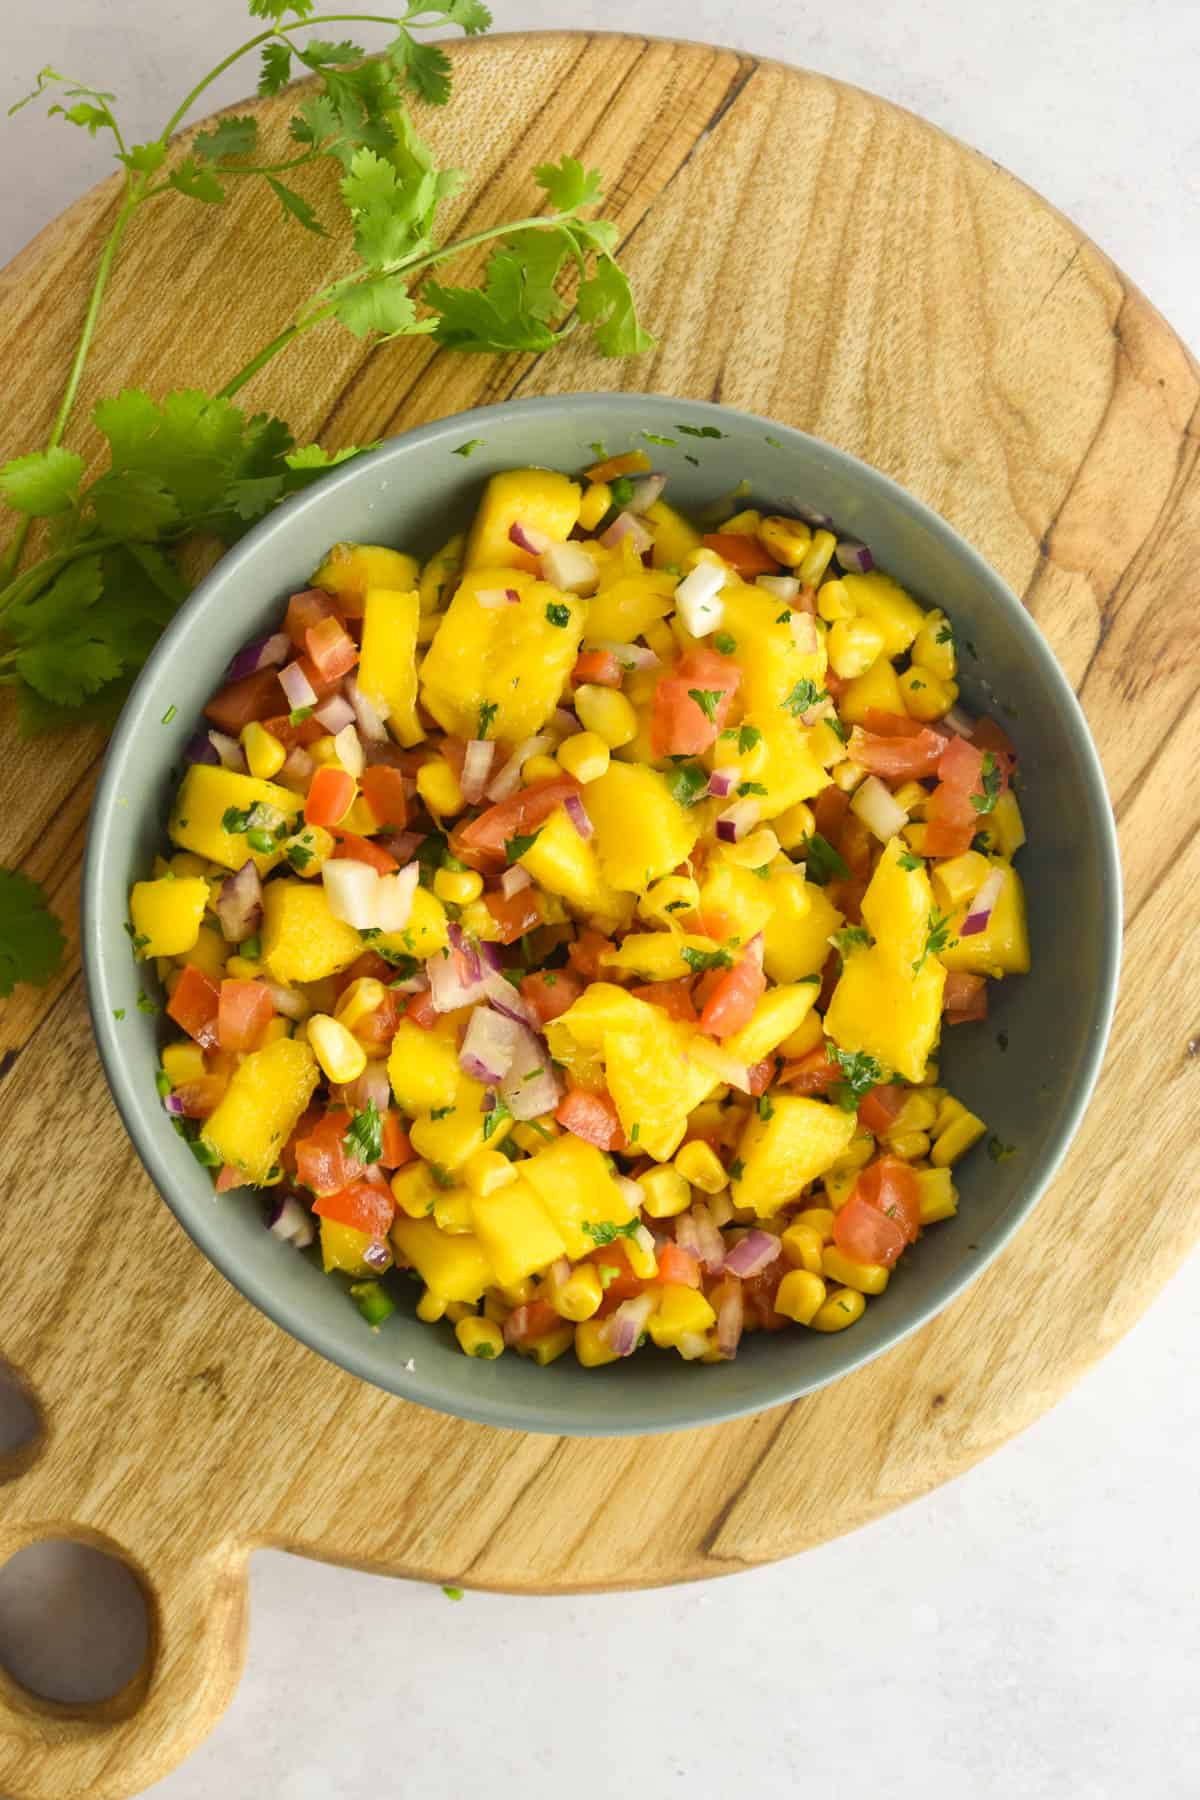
(805, 251)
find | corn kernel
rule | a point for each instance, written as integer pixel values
(664, 1192)
(452, 1211)
(802, 1248)
(591, 1344)
(925, 696)
(912, 797)
(933, 647)
(853, 645)
(579, 1296)
(838, 1188)
(659, 636)
(478, 922)
(856, 1155)
(639, 1252)
(818, 1219)
(914, 837)
(788, 540)
(847, 775)
(795, 826)
(551, 1345)
(531, 1136)
(265, 755)
(672, 895)
(341, 1056)
(909, 1145)
(800, 1295)
(918, 1112)
(949, 1110)
(956, 1140)
(755, 851)
(277, 1028)
(867, 1278)
(458, 886)
(817, 558)
(808, 1034)
(834, 602)
(931, 1075)
(585, 756)
(243, 968)
(843, 1307)
(606, 712)
(362, 998)
(597, 498)
(520, 1293)
(699, 1163)
(540, 768)
(183, 1062)
(324, 751)
(486, 1170)
(938, 1195)
(430, 1307)
(457, 1310)
(681, 1312)
(439, 788)
(480, 1337)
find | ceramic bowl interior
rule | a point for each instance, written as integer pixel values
(1054, 1023)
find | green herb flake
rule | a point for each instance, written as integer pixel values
(299, 714)
(765, 1107)
(699, 961)
(119, 1014)
(700, 431)
(172, 712)
(441, 1112)
(990, 780)
(487, 712)
(607, 1232)
(737, 1169)
(751, 787)
(908, 861)
(861, 1073)
(516, 846)
(937, 938)
(364, 1138)
(494, 1118)
(849, 939)
(803, 697)
(1000, 1151)
(708, 700)
(945, 633)
(724, 643)
(453, 1593)
(688, 782)
(785, 617)
(558, 614)
(608, 1273)
(822, 862)
(145, 1004)
(471, 445)
(653, 437)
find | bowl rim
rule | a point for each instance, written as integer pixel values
(689, 1412)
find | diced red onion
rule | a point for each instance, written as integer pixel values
(854, 557)
(370, 720)
(570, 568)
(286, 1000)
(573, 807)
(878, 809)
(508, 776)
(394, 898)
(780, 587)
(737, 820)
(564, 720)
(505, 998)
(174, 1105)
(731, 1314)
(458, 979)
(477, 766)
(289, 1220)
(351, 891)
(756, 1251)
(697, 599)
(229, 751)
(627, 1324)
(959, 722)
(201, 749)
(719, 1062)
(722, 782)
(412, 984)
(263, 653)
(687, 1236)
(627, 527)
(377, 1255)
(298, 689)
(489, 1045)
(492, 599)
(403, 845)
(297, 767)
(530, 1088)
(514, 879)
(982, 906)
(711, 1245)
(645, 492)
(239, 904)
(335, 714)
(525, 537)
(630, 656)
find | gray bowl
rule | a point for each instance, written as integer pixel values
(1054, 1022)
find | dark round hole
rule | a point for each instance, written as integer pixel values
(73, 1622)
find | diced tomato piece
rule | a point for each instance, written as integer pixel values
(624, 1285)
(856, 847)
(323, 1162)
(306, 732)
(835, 685)
(362, 1205)
(517, 816)
(201, 1096)
(600, 668)
(988, 735)
(515, 914)
(948, 831)
(742, 552)
(630, 462)
(678, 1266)
(396, 1148)
(879, 1107)
(952, 819)
(331, 648)
(375, 1030)
(960, 765)
(255, 696)
(680, 725)
(891, 1186)
(229, 1178)
(353, 848)
(525, 1324)
(811, 1074)
(550, 992)
(965, 997)
(420, 1010)
(307, 610)
(383, 791)
(195, 1005)
(322, 685)
(731, 1004)
(674, 997)
(244, 1010)
(758, 1297)
(889, 724)
(585, 953)
(592, 1117)
(829, 808)
(368, 967)
(308, 1121)
(897, 756)
(866, 1235)
(330, 796)
(762, 1074)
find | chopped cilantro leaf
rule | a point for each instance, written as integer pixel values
(699, 961)
(999, 1151)
(299, 714)
(700, 431)
(364, 1138)
(607, 1232)
(487, 712)
(766, 1107)
(945, 633)
(850, 939)
(747, 737)
(494, 1118)
(688, 782)
(470, 445)
(145, 1004)
(724, 643)
(299, 855)
(803, 697)
(516, 846)
(908, 861)
(861, 1073)
(784, 618)
(653, 437)
(751, 787)
(708, 700)
(441, 1112)
(118, 1013)
(989, 778)
(822, 862)
(453, 1593)
(558, 614)
(737, 1169)
(608, 1273)
(170, 713)
(937, 938)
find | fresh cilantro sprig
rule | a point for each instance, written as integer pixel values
(364, 1138)
(937, 938)
(607, 1232)
(860, 1074)
(31, 937)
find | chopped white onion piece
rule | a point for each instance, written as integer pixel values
(630, 656)
(527, 537)
(697, 600)
(781, 587)
(722, 782)
(564, 721)
(956, 720)
(646, 491)
(351, 890)
(297, 687)
(570, 568)
(492, 599)
(229, 750)
(348, 746)
(531, 1088)
(514, 879)
(508, 776)
(394, 897)
(876, 806)
(477, 766)
(489, 1045)
(627, 1324)
(335, 714)
(626, 527)
(854, 557)
(751, 1254)
(371, 718)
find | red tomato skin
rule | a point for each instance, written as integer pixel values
(421, 1011)
(965, 997)
(592, 1117)
(331, 648)
(228, 1178)
(742, 552)
(329, 797)
(322, 1161)
(624, 1285)
(201, 1097)
(897, 757)
(255, 696)
(730, 1006)
(306, 610)
(306, 732)
(811, 1074)
(362, 1205)
(375, 1030)
(890, 1185)
(244, 1011)
(397, 1150)
(866, 1235)
(520, 814)
(878, 1108)
(525, 1324)
(672, 997)
(678, 1267)
(678, 725)
(762, 1074)
(598, 668)
(353, 848)
(195, 1005)
(829, 808)
(585, 952)
(550, 992)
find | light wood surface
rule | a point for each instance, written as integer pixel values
(811, 253)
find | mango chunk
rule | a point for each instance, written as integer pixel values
(878, 687)
(387, 668)
(779, 1156)
(622, 612)
(301, 939)
(426, 933)
(541, 499)
(423, 1066)
(577, 1188)
(654, 1082)
(641, 830)
(448, 1141)
(675, 537)
(1002, 947)
(563, 863)
(882, 1007)
(769, 648)
(454, 1267)
(343, 1248)
(498, 671)
(267, 1093)
(796, 935)
(207, 796)
(166, 915)
(515, 1232)
(350, 570)
(776, 1016)
(787, 769)
(878, 598)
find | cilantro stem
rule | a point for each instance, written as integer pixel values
(264, 356)
(29, 585)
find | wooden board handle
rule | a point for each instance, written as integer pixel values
(119, 1747)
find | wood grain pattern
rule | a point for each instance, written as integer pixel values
(811, 253)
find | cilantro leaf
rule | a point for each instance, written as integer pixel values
(822, 862)
(861, 1073)
(487, 712)
(276, 70)
(747, 737)
(229, 137)
(320, 53)
(471, 16)
(380, 305)
(516, 846)
(297, 206)
(31, 935)
(803, 697)
(996, 1149)
(708, 700)
(937, 938)
(364, 1138)
(558, 614)
(700, 961)
(69, 667)
(724, 643)
(495, 1117)
(42, 484)
(197, 182)
(607, 1232)
(568, 185)
(605, 301)
(908, 861)
(425, 68)
(849, 939)
(466, 449)
(506, 313)
(146, 159)
(750, 787)
(277, 9)
(133, 503)
(688, 783)
(990, 778)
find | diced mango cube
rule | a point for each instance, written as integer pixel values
(877, 597)
(166, 914)
(1002, 947)
(878, 688)
(675, 537)
(563, 863)
(387, 669)
(779, 1156)
(886, 1009)
(774, 653)
(577, 1188)
(426, 933)
(797, 931)
(206, 796)
(516, 1232)
(681, 1311)
(343, 1248)
(301, 939)
(423, 1066)
(267, 1093)
(455, 1269)
(448, 1141)
(498, 671)
(779, 1013)
(654, 1082)
(350, 570)
(641, 831)
(542, 500)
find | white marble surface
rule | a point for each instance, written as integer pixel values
(1028, 1631)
